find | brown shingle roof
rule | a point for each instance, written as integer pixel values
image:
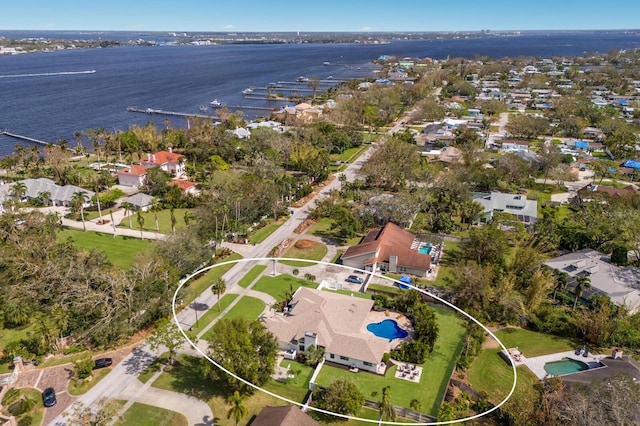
(286, 415)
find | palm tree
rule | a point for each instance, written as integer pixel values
(187, 217)
(387, 410)
(562, 280)
(140, 221)
(173, 220)
(219, 287)
(128, 207)
(583, 283)
(238, 410)
(19, 190)
(155, 208)
(77, 203)
(45, 196)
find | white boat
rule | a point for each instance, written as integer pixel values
(247, 90)
(327, 63)
(215, 103)
(302, 79)
(204, 108)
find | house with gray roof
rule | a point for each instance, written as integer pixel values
(332, 321)
(526, 211)
(621, 284)
(57, 195)
(140, 201)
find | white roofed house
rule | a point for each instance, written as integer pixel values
(332, 321)
(526, 211)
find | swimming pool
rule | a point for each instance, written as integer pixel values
(387, 329)
(425, 249)
(565, 366)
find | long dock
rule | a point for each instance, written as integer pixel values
(256, 108)
(163, 112)
(28, 139)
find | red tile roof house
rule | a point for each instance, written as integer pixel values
(167, 161)
(186, 186)
(388, 249)
(286, 415)
(132, 176)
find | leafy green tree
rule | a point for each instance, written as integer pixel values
(313, 355)
(342, 397)
(18, 190)
(486, 245)
(167, 335)
(83, 367)
(103, 412)
(619, 255)
(582, 284)
(245, 348)
(77, 204)
(238, 410)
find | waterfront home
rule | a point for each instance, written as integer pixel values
(36, 189)
(526, 211)
(331, 321)
(388, 249)
(133, 176)
(620, 284)
(167, 161)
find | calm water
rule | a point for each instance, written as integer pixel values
(51, 102)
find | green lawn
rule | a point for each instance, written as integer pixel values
(296, 388)
(449, 257)
(532, 343)
(213, 312)
(324, 228)
(491, 374)
(79, 388)
(276, 286)
(146, 415)
(119, 250)
(435, 373)
(164, 220)
(317, 252)
(36, 412)
(261, 234)
(196, 286)
(251, 275)
(9, 335)
(247, 307)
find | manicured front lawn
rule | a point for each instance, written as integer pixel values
(146, 415)
(213, 312)
(450, 255)
(276, 286)
(325, 228)
(196, 286)
(261, 234)
(79, 388)
(9, 335)
(251, 275)
(247, 307)
(532, 343)
(316, 251)
(435, 372)
(119, 250)
(164, 220)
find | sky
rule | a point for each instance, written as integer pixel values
(322, 15)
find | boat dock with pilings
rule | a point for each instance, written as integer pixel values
(32, 140)
(163, 112)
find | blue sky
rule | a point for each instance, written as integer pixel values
(322, 15)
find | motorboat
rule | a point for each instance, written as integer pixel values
(247, 91)
(215, 103)
(302, 79)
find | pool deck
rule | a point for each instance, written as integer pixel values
(536, 364)
(400, 319)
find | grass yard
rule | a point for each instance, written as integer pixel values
(449, 257)
(119, 250)
(9, 335)
(212, 313)
(491, 374)
(247, 307)
(261, 234)
(251, 276)
(532, 343)
(36, 412)
(146, 415)
(304, 249)
(435, 373)
(276, 286)
(324, 228)
(198, 285)
(164, 220)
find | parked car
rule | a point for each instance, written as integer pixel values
(49, 397)
(354, 279)
(102, 363)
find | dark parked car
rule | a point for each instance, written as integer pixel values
(102, 363)
(354, 279)
(49, 397)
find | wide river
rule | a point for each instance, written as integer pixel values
(50, 96)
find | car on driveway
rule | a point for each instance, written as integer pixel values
(49, 397)
(102, 363)
(354, 279)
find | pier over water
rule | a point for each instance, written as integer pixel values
(32, 140)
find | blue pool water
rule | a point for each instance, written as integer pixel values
(387, 329)
(564, 367)
(426, 249)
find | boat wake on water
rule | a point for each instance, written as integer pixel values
(46, 74)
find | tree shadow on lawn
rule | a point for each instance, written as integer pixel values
(188, 378)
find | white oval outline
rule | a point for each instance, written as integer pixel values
(320, 410)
